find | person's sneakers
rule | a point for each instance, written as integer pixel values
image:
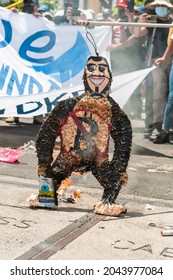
(148, 131)
(155, 133)
(12, 120)
(162, 138)
(171, 137)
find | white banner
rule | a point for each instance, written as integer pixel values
(32, 105)
(38, 56)
(41, 64)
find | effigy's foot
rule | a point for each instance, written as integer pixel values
(33, 201)
(109, 209)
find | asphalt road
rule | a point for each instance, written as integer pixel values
(148, 198)
(150, 168)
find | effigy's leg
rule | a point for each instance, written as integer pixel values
(110, 194)
(62, 169)
(112, 183)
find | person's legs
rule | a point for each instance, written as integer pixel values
(160, 93)
(168, 114)
(166, 135)
(148, 103)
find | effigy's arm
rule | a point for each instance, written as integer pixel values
(48, 133)
(121, 134)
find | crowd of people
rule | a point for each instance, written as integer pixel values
(132, 48)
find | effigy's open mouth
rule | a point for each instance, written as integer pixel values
(97, 81)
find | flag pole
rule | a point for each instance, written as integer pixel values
(117, 23)
(14, 4)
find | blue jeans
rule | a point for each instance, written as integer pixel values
(168, 113)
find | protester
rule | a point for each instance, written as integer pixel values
(48, 15)
(93, 13)
(29, 7)
(166, 136)
(71, 10)
(144, 8)
(42, 9)
(147, 84)
(120, 34)
(158, 44)
(127, 55)
(107, 14)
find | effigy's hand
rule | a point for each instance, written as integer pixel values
(124, 178)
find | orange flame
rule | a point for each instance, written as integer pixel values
(65, 183)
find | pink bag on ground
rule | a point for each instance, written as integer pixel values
(10, 155)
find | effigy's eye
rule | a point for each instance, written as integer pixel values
(102, 68)
(90, 67)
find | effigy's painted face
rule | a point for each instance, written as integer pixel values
(97, 75)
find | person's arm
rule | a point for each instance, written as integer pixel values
(130, 19)
(14, 10)
(167, 53)
(140, 31)
(37, 15)
(125, 44)
(59, 19)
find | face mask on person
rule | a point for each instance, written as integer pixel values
(161, 11)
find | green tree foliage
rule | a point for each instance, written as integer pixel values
(53, 4)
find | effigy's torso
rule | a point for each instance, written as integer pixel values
(85, 131)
